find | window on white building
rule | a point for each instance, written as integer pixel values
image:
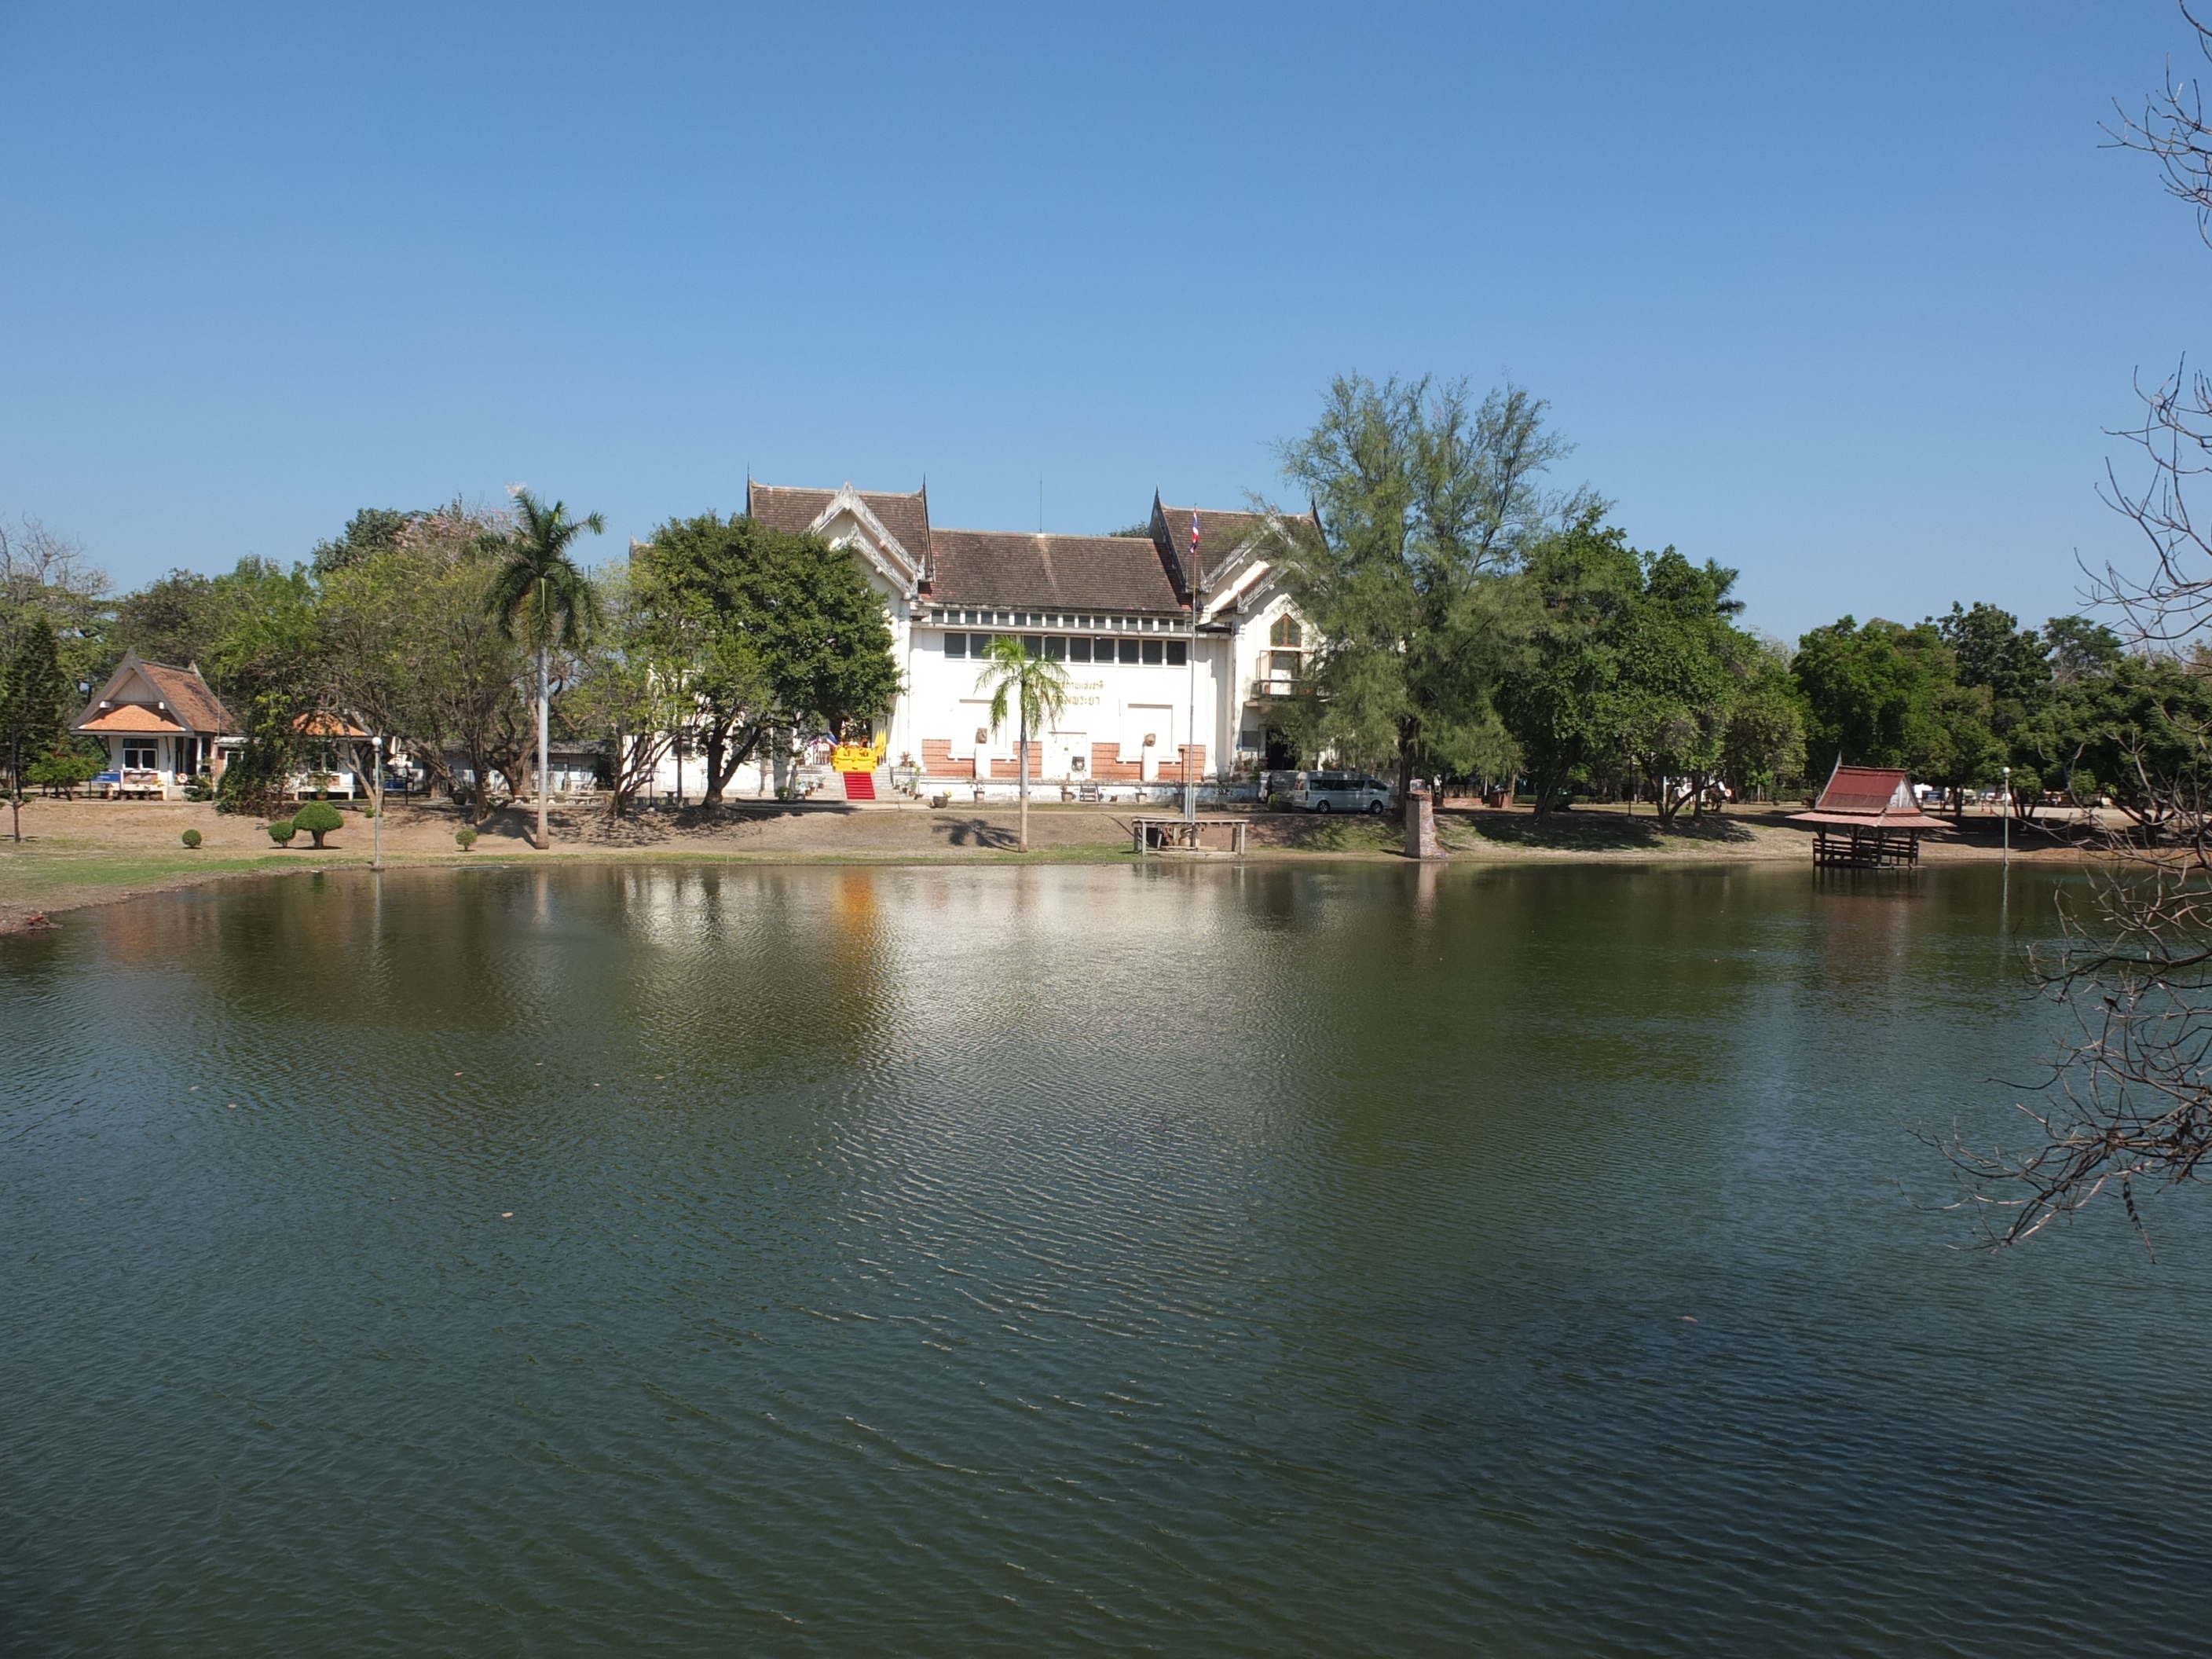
(956, 645)
(140, 757)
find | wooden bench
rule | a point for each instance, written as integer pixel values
(1180, 834)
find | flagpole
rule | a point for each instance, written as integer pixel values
(1190, 726)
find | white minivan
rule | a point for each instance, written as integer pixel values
(1341, 792)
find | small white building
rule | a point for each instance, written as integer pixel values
(1130, 616)
(161, 727)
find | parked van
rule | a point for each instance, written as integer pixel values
(1337, 792)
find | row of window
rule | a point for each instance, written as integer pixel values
(1043, 619)
(1053, 647)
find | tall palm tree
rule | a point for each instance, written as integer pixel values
(540, 598)
(1034, 688)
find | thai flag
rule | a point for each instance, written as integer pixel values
(1193, 539)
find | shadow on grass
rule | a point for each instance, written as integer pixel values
(1588, 830)
(648, 826)
(977, 832)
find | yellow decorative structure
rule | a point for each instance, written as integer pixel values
(860, 756)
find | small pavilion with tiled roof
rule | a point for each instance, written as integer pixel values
(161, 725)
(1868, 818)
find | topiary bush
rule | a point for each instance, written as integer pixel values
(319, 818)
(193, 839)
(467, 838)
(280, 831)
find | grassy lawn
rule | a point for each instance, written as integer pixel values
(37, 872)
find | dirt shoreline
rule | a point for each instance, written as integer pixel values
(75, 854)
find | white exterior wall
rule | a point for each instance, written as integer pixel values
(1110, 708)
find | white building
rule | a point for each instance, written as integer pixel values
(161, 727)
(1117, 610)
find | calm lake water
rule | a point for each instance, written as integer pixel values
(1078, 1260)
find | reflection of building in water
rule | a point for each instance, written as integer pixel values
(1115, 610)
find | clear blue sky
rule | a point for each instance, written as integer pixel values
(1842, 296)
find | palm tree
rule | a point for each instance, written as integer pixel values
(1037, 686)
(540, 598)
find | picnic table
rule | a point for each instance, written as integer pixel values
(1181, 835)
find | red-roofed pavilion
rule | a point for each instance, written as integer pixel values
(1867, 817)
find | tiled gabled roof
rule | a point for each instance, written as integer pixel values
(189, 702)
(792, 511)
(133, 720)
(1226, 541)
(1867, 789)
(183, 690)
(1010, 570)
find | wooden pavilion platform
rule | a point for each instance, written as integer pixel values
(1868, 819)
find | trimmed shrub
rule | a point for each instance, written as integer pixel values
(368, 809)
(467, 838)
(193, 839)
(318, 819)
(280, 831)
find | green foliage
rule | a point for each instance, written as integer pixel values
(761, 631)
(191, 838)
(280, 831)
(318, 819)
(1027, 690)
(409, 645)
(66, 767)
(2136, 728)
(1990, 650)
(1426, 502)
(465, 837)
(372, 531)
(1870, 692)
(538, 595)
(46, 576)
(172, 620)
(33, 692)
(2077, 648)
(1763, 746)
(1563, 701)
(265, 662)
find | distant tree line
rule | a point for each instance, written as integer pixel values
(718, 634)
(1473, 624)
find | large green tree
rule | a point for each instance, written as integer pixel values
(1683, 663)
(172, 619)
(541, 600)
(265, 661)
(634, 688)
(33, 698)
(411, 648)
(1427, 500)
(1563, 698)
(781, 632)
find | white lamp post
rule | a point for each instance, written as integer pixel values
(2005, 805)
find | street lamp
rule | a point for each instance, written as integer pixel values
(2005, 805)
